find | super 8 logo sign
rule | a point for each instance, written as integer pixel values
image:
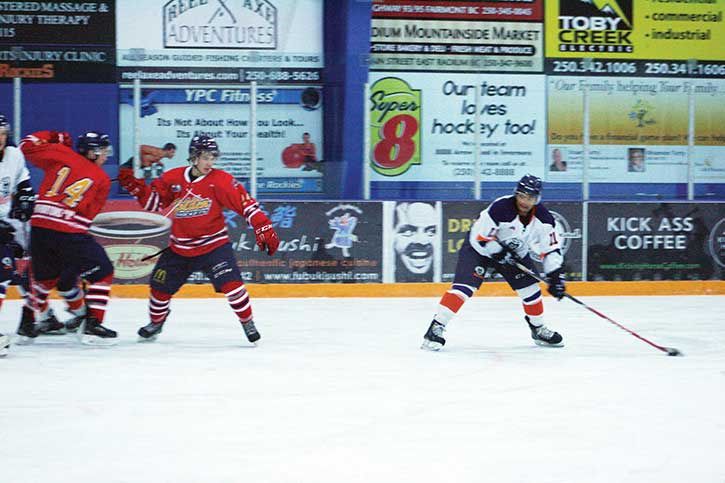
(395, 113)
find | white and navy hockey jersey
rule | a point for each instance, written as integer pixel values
(500, 222)
(13, 171)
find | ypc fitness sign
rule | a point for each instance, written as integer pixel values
(220, 24)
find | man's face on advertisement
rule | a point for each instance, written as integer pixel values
(415, 236)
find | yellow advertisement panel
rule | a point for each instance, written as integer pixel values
(629, 29)
(638, 129)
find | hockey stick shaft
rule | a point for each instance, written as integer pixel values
(669, 350)
(154, 255)
(169, 213)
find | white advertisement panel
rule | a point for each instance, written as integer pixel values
(220, 40)
(425, 126)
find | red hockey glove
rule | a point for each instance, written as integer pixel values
(131, 183)
(63, 137)
(267, 238)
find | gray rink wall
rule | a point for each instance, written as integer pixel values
(367, 242)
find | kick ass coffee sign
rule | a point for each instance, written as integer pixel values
(656, 241)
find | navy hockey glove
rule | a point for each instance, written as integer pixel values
(7, 233)
(23, 202)
(16, 248)
(557, 287)
(508, 255)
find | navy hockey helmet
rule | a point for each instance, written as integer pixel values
(530, 185)
(4, 123)
(92, 141)
(200, 144)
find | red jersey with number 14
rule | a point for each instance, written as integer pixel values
(74, 189)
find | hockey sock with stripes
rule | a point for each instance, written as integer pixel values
(159, 303)
(97, 297)
(39, 296)
(74, 298)
(238, 299)
(533, 304)
(452, 301)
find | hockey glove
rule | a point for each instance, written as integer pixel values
(557, 287)
(17, 249)
(267, 238)
(23, 202)
(131, 183)
(64, 138)
(508, 255)
(7, 233)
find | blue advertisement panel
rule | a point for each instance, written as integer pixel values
(320, 242)
(289, 133)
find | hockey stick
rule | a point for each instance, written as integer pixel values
(168, 213)
(671, 351)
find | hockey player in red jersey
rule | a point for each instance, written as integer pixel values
(73, 191)
(196, 196)
(504, 234)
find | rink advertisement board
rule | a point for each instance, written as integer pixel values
(458, 217)
(320, 242)
(231, 41)
(58, 41)
(636, 38)
(424, 126)
(411, 244)
(285, 119)
(460, 36)
(638, 129)
(656, 241)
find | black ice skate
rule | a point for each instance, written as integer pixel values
(91, 332)
(72, 324)
(149, 332)
(544, 336)
(433, 339)
(251, 331)
(27, 331)
(50, 326)
(4, 345)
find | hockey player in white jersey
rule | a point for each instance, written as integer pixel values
(506, 232)
(16, 201)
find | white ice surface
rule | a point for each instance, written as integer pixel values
(339, 391)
